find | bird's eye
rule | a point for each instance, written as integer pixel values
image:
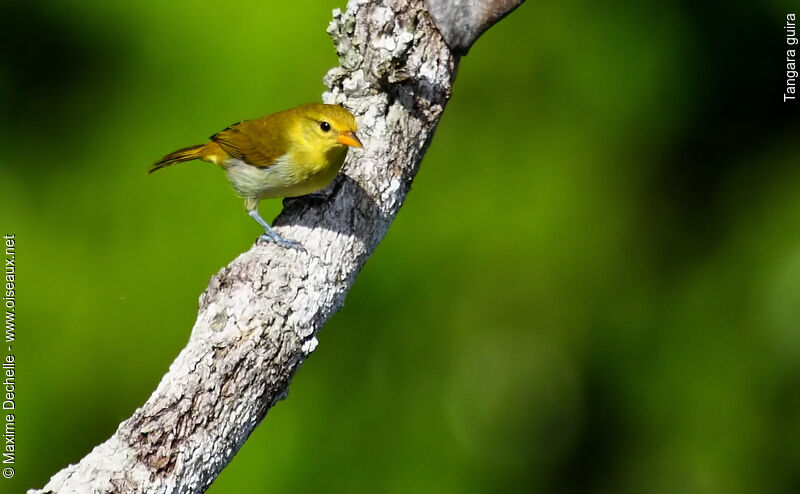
(325, 126)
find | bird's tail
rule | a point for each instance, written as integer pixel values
(179, 156)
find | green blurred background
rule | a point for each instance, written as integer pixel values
(594, 285)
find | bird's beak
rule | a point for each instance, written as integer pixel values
(349, 138)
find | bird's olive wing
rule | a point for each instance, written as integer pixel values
(252, 141)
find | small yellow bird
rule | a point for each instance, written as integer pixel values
(287, 154)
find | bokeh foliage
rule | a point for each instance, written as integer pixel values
(594, 285)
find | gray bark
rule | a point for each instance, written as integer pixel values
(461, 22)
(259, 316)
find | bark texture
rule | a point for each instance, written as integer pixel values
(259, 316)
(462, 22)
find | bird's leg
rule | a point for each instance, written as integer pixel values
(270, 235)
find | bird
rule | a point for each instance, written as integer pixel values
(290, 153)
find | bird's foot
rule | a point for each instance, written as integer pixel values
(277, 239)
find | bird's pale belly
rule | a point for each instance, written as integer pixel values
(277, 180)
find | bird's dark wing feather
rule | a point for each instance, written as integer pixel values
(257, 142)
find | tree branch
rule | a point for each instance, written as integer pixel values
(462, 22)
(259, 316)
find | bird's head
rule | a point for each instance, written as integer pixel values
(328, 127)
